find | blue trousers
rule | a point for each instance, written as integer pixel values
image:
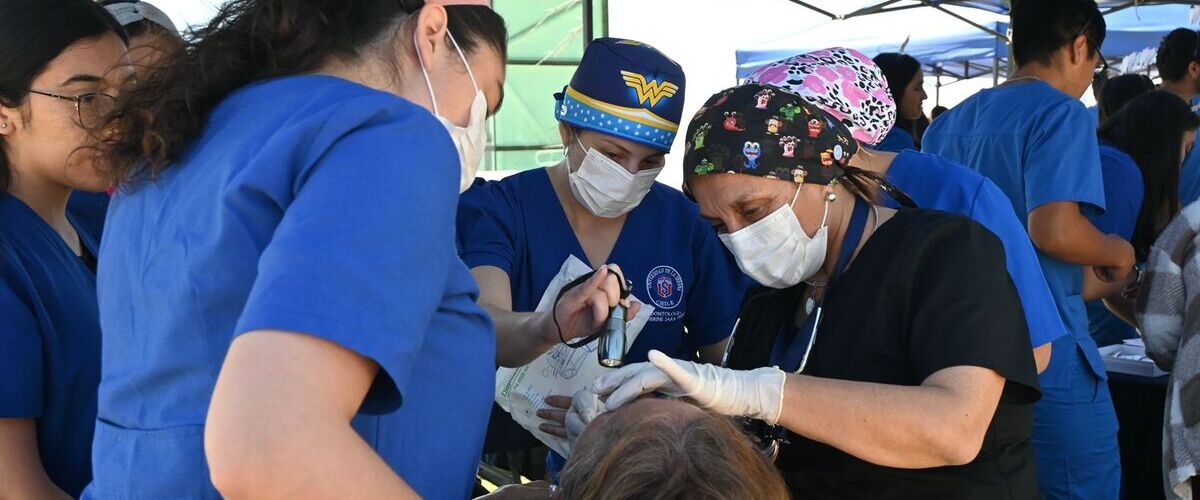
(1075, 437)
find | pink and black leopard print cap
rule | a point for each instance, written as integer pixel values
(844, 83)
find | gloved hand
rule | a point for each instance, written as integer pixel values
(585, 407)
(756, 393)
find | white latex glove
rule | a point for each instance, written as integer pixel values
(585, 407)
(756, 393)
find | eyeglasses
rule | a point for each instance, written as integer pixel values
(1102, 69)
(91, 108)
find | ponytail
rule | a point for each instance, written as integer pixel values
(868, 186)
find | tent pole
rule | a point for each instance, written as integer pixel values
(588, 36)
(816, 9)
(937, 90)
(963, 19)
(995, 68)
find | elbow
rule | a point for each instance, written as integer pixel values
(242, 457)
(1048, 240)
(228, 458)
(953, 443)
(960, 449)
(962, 453)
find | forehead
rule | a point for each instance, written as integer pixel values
(725, 188)
(102, 56)
(593, 138)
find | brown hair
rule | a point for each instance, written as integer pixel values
(695, 458)
(252, 40)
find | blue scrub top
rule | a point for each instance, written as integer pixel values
(1123, 192)
(308, 204)
(933, 182)
(671, 255)
(1036, 144)
(897, 140)
(49, 339)
(1189, 175)
(89, 209)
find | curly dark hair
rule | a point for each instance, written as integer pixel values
(251, 40)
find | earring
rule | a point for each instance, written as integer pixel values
(3, 125)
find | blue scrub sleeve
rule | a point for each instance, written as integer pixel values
(716, 294)
(363, 253)
(21, 371)
(994, 211)
(486, 228)
(1062, 162)
(1189, 178)
(1122, 190)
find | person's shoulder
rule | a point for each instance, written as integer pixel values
(931, 165)
(317, 106)
(1040, 96)
(921, 230)
(321, 91)
(15, 218)
(508, 191)
(917, 166)
(1111, 153)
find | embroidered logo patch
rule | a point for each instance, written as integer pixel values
(664, 286)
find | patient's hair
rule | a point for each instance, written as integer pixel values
(694, 456)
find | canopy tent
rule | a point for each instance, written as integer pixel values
(866, 8)
(961, 53)
(964, 52)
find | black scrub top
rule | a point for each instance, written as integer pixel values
(928, 291)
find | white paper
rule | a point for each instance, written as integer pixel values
(561, 371)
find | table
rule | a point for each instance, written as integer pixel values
(1139, 404)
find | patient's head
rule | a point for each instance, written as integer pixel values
(667, 449)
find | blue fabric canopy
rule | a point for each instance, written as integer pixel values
(964, 51)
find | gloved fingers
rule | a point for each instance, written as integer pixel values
(684, 378)
(585, 407)
(644, 382)
(607, 383)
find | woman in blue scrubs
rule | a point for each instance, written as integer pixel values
(60, 64)
(601, 204)
(1142, 145)
(280, 257)
(906, 83)
(930, 181)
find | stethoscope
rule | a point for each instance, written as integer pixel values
(798, 351)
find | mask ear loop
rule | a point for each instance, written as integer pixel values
(829, 199)
(425, 73)
(463, 57)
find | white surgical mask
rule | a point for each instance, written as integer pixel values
(472, 139)
(776, 251)
(605, 187)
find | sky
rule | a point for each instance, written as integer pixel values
(703, 35)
